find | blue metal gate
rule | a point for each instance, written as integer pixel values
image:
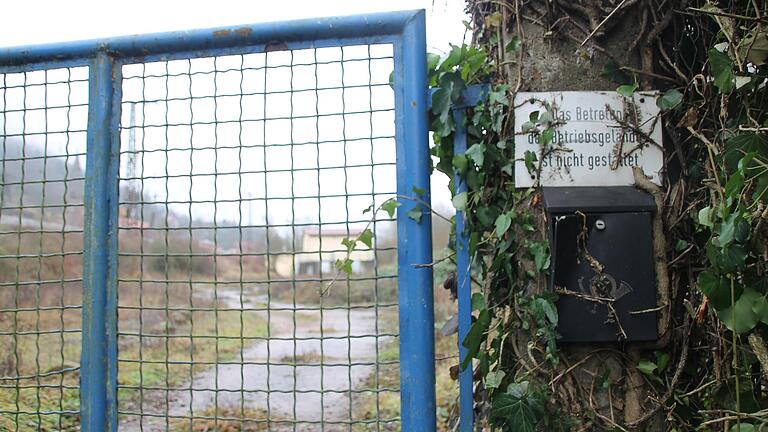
(187, 140)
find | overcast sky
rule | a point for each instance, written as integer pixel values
(38, 22)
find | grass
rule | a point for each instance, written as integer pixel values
(180, 328)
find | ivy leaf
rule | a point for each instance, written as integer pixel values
(669, 100)
(516, 409)
(366, 237)
(514, 44)
(647, 367)
(460, 201)
(530, 158)
(441, 104)
(547, 308)
(478, 302)
(502, 224)
(432, 61)
(350, 244)
(475, 337)
(716, 288)
(760, 308)
(541, 257)
(546, 137)
(613, 72)
(741, 318)
(627, 90)
(390, 206)
(727, 230)
(493, 379)
(722, 70)
(705, 217)
(415, 213)
(662, 360)
(344, 265)
(460, 163)
(743, 427)
(369, 208)
(477, 153)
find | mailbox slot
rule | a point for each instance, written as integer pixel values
(608, 227)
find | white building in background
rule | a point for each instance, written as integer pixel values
(319, 251)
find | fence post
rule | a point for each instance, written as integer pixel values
(98, 363)
(463, 286)
(417, 339)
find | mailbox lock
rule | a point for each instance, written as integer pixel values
(600, 224)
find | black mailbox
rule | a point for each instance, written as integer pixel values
(602, 263)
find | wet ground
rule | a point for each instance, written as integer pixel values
(284, 374)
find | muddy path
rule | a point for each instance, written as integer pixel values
(284, 375)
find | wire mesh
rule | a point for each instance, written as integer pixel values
(240, 177)
(43, 121)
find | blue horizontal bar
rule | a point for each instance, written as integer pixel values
(469, 97)
(268, 36)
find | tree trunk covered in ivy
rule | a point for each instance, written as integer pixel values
(708, 369)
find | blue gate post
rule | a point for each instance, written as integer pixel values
(98, 363)
(463, 285)
(471, 96)
(417, 339)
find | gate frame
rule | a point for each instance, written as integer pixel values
(405, 30)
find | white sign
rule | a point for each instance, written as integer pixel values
(586, 138)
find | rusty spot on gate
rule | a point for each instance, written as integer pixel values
(244, 31)
(222, 33)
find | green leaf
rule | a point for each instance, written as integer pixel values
(494, 378)
(441, 104)
(547, 308)
(716, 288)
(706, 217)
(721, 67)
(478, 302)
(366, 237)
(369, 208)
(460, 201)
(350, 244)
(669, 100)
(503, 223)
(516, 409)
(541, 256)
(647, 367)
(760, 308)
(432, 61)
(533, 117)
(662, 360)
(741, 318)
(514, 44)
(530, 158)
(390, 206)
(415, 213)
(727, 230)
(613, 72)
(418, 191)
(546, 137)
(681, 245)
(743, 427)
(475, 337)
(477, 153)
(344, 265)
(459, 162)
(627, 90)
